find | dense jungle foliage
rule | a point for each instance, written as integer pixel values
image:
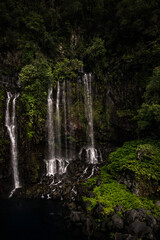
(118, 41)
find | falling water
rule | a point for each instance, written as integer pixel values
(58, 123)
(71, 132)
(91, 152)
(62, 164)
(55, 163)
(51, 161)
(51, 150)
(10, 123)
(65, 119)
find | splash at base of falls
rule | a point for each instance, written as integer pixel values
(13, 191)
(51, 168)
(92, 158)
(56, 166)
(91, 155)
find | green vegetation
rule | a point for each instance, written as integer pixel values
(141, 159)
(91, 182)
(118, 42)
(35, 79)
(66, 69)
(149, 114)
(111, 194)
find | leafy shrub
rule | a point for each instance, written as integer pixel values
(126, 159)
(149, 113)
(140, 158)
(111, 194)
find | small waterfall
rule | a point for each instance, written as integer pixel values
(71, 144)
(65, 119)
(51, 168)
(91, 152)
(58, 123)
(51, 147)
(61, 160)
(10, 123)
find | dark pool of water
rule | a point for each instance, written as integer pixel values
(34, 220)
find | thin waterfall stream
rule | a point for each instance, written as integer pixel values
(65, 118)
(92, 155)
(10, 123)
(51, 168)
(58, 123)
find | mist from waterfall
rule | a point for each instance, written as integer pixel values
(10, 123)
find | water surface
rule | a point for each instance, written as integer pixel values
(34, 220)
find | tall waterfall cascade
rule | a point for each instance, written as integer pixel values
(65, 118)
(61, 125)
(55, 163)
(58, 123)
(10, 123)
(51, 168)
(91, 151)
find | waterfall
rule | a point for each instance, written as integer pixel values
(62, 160)
(71, 144)
(58, 123)
(51, 150)
(10, 123)
(91, 152)
(55, 163)
(51, 161)
(65, 119)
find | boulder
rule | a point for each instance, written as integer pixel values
(131, 215)
(75, 216)
(139, 229)
(121, 236)
(117, 222)
(151, 221)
